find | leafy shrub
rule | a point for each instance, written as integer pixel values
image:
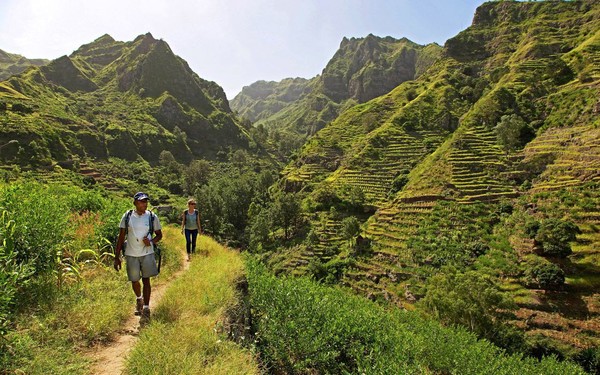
(512, 132)
(329, 272)
(350, 228)
(531, 228)
(399, 182)
(13, 275)
(544, 275)
(453, 234)
(40, 227)
(39, 219)
(589, 359)
(325, 197)
(467, 299)
(555, 235)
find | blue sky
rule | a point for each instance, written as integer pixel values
(231, 42)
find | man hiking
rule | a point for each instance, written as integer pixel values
(142, 231)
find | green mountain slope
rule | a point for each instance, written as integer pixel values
(11, 64)
(507, 117)
(263, 99)
(116, 99)
(361, 69)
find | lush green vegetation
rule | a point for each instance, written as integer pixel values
(98, 103)
(55, 271)
(468, 193)
(11, 64)
(285, 112)
(303, 327)
(182, 338)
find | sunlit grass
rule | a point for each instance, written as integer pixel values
(182, 337)
(49, 337)
(587, 282)
(51, 334)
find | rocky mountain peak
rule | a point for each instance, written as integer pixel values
(364, 68)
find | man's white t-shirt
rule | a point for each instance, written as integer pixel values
(139, 225)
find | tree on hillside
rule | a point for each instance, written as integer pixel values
(211, 206)
(169, 171)
(512, 132)
(357, 198)
(286, 211)
(196, 174)
(350, 228)
(260, 229)
(264, 181)
(554, 236)
(468, 299)
(542, 274)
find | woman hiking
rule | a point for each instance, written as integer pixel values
(190, 225)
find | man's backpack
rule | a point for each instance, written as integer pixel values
(157, 252)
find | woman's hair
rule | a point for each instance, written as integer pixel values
(191, 201)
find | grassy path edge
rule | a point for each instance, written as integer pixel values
(184, 335)
(110, 359)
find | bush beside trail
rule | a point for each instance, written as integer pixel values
(304, 327)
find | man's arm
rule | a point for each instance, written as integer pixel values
(118, 248)
(157, 237)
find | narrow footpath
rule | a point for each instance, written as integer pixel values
(110, 359)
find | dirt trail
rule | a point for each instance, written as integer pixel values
(110, 359)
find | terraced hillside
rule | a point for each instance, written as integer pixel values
(507, 120)
(568, 188)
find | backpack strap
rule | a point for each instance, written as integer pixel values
(157, 252)
(151, 224)
(127, 216)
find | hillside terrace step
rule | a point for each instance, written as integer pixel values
(384, 242)
(467, 175)
(389, 257)
(553, 187)
(479, 192)
(414, 210)
(367, 268)
(480, 162)
(396, 236)
(488, 197)
(471, 158)
(589, 216)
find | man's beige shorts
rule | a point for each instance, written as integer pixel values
(141, 267)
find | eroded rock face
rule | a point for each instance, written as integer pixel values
(365, 68)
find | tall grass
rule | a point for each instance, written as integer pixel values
(303, 328)
(73, 298)
(182, 337)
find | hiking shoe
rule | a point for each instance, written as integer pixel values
(146, 313)
(139, 304)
